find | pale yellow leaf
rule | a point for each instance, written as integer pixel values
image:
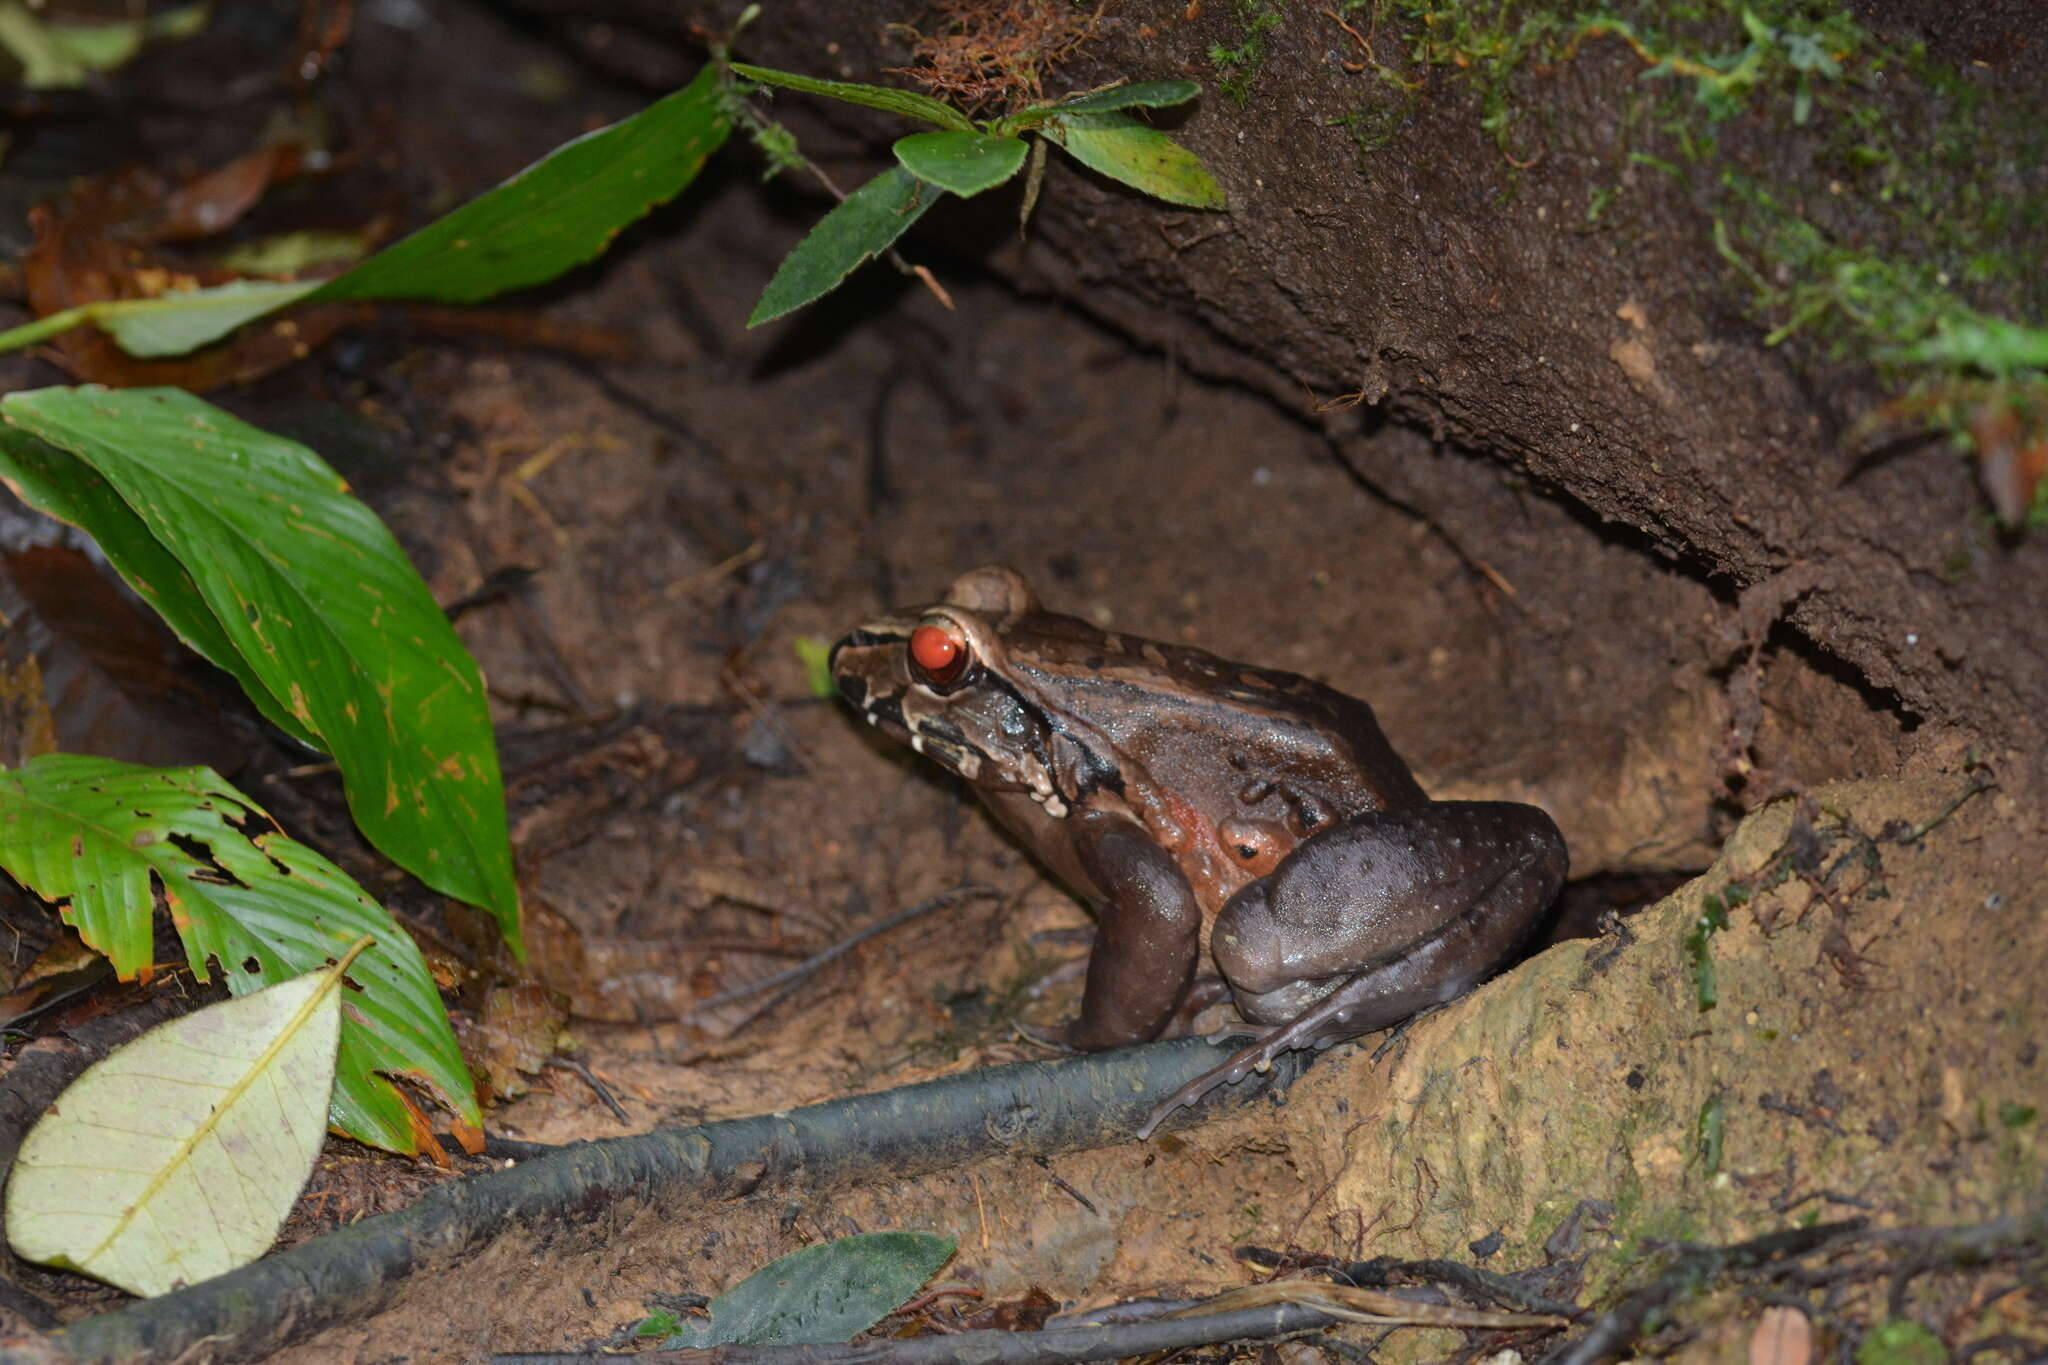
(178, 1157)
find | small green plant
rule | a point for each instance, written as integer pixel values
(1237, 67)
(966, 157)
(1713, 918)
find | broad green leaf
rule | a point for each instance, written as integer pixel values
(559, 212)
(66, 488)
(964, 163)
(863, 227)
(317, 599)
(1144, 95)
(178, 1157)
(908, 103)
(92, 833)
(1124, 149)
(824, 1293)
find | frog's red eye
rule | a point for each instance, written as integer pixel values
(938, 655)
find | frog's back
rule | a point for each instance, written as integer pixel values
(1203, 723)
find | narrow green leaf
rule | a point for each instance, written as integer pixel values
(863, 227)
(93, 833)
(908, 103)
(102, 47)
(815, 657)
(556, 214)
(45, 65)
(1125, 150)
(824, 1293)
(314, 595)
(178, 1157)
(964, 163)
(181, 322)
(1144, 95)
(66, 488)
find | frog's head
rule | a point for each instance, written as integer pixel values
(939, 679)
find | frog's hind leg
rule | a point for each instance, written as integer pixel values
(1432, 899)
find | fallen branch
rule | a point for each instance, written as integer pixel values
(1021, 1110)
(1318, 1306)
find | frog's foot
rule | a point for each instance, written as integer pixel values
(1315, 1028)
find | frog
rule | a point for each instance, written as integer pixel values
(1241, 833)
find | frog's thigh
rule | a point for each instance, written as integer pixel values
(1148, 937)
(1414, 906)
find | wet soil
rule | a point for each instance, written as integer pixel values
(690, 817)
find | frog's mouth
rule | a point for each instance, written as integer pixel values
(935, 737)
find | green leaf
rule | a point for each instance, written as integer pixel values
(1900, 1341)
(825, 1293)
(102, 47)
(1144, 95)
(1125, 150)
(556, 214)
(181, 322)
(65, 487)
(964, 163)
(863, 227)
(319, 602)
(179, 1156)
(815, 656)
(45, 65)
(908, 103)
(93, 834)
(289, 253)
(1997, 346)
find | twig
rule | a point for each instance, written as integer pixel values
(1620, 1326)
(1076, 1195)
(841, 948)
(597, 1087)
(1486, 1283)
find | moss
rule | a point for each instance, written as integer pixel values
(1893, 213)
(1237, 67)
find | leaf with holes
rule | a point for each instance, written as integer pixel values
(1122, 148)
(99, 837)
(178, 1157)
(315, 598)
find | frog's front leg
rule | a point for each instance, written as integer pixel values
(1148, 934)
(1393, 910)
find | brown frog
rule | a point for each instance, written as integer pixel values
(1208, 810)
